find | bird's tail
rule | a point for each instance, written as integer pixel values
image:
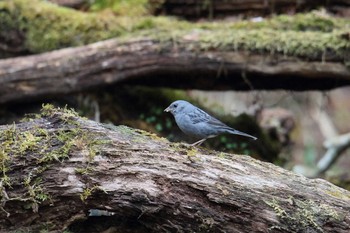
(233, 131)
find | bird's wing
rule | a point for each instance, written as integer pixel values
(199, 116)
(215, 122)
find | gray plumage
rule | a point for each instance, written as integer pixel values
(195, 122)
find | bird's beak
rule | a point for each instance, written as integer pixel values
(167, 109)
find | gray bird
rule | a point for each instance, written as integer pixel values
(195, 122)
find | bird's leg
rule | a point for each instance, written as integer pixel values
(198, 142)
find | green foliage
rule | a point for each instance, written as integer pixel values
(230, 144)
(154, 117)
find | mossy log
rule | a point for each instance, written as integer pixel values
(56, 167)
(71, 3)
(42, 26)
(226, 8)
(156, 63)
(301, 52)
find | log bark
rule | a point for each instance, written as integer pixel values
(222, 8)
(155, 63)
(57, 167)
(41, 26)
(71, 3)
(272, 54)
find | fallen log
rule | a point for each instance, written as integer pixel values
(272, 54)
(155, 63)
(56, 168)
(71, 3)
(223, 8)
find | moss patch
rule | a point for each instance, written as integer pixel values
(305, 215)
(44, 146)
(89, 191)
(122, 7)
(47, 26)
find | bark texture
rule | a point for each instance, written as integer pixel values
(156, 63)
(71, 3)
(225, 8)
(57, 167)
(245, 55)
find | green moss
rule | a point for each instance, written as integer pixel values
(336, 193)
(66, 139)
(84, 171)
(4, 159)
(47, 26)
(305, 215)
(122, 7)
(89, 191)
(192, 152)
(48, 110)
(46, 146)
(186, 149)
(29, 141)
(319, 45)
(311, 21)
(138, 135)
(36, 193)
(7, 140)
(282, 34)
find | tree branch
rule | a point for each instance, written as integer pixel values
(335, 147)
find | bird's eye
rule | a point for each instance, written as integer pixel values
(175, 105)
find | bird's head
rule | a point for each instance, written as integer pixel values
(176, 106)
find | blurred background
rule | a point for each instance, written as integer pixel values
(300, 129)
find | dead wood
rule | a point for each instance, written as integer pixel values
(57, 167)
(71, 3)
(155, 63)
(227, 8)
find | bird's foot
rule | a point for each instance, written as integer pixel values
(198, 142)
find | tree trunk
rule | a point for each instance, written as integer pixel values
(57, 166)
(140, 62)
